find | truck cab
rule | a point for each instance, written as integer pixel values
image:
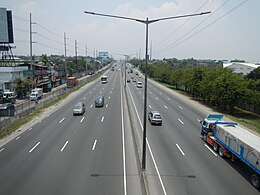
(207, 124)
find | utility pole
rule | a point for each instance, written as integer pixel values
(31, 42)
(151, 51)
(65, 55)
(76, 57)
(86, 59)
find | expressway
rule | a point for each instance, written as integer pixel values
(178, 161)
(65, 154)
(98, 152)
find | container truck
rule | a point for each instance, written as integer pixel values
(229, 139)
(36, 94)
(72, 82)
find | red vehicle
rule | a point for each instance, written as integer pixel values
(72, 82)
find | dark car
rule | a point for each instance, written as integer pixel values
(155, 118)
(79, 109)
(99, 101)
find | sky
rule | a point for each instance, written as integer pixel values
(231, 31)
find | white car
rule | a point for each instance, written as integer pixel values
(139, 84)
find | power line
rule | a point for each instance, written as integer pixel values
(47, 46)
(54, 33)
(174, 32)
(47, 38)
(176, 43)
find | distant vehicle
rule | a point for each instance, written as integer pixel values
(134, 80)
(139, 84)
(72, 82)
(9, 97)
(99, 101)
(155, 118)
(79, 109)
(132, 77)
(104, 79)
(90, 72)
(128, 80)
(36, 94)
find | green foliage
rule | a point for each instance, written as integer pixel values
(218, 86)
(22, 87)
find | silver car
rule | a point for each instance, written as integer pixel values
(79, 109)
(155, 118)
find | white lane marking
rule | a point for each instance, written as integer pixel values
(123, 139)
(180, 149)
(109, 97)
(150, 150)
(89, 92)
(180, 121)
(210, 150)
(94, 145)
(165, 107)
(85, 98)
(111, 92)
(180, 107)
(82, 119)
(62, 120)
(34, 147)
(17, 138)
(2, 150)
(30, 129)
(150, 106)
(198, 120)
(100, 92)
(102, 119)
(106, 105)
(103, 88)
(64, 146)
(91, 106)
(169, 99)
(156, 98)
(160, 92)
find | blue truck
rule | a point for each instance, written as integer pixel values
(229, 139)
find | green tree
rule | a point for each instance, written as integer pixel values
(23, 87)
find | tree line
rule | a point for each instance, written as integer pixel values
(212, 84)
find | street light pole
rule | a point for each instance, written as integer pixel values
(146, 22)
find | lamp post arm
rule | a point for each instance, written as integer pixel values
(182, 16)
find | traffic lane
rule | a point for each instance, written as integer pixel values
(191, 147)
(195, 141)
(189, 134)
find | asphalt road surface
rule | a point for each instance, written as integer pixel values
(178, 161)
(66, 154)
(96, 153)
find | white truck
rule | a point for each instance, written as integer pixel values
(36, 94)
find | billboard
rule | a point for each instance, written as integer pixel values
(103, 54)
(6, 26)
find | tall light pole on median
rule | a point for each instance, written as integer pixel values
(146, 22)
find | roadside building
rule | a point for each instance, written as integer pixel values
(241, 67)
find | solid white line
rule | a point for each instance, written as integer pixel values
(180, 149)
(165, 107)
(94, 145)
(34, 147)
(62, 120)
(180, 107)
(2, 150)
(150, 150)
(64, 146)
(91, 106)
(180, 121)
(210, 150)
(123, 139)
(150, 106)
(30, 129)
(102, 119)
(17, 138)
(82, 119)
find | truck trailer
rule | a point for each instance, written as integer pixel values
(36, 94)
(231, 140)
(72, 82)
